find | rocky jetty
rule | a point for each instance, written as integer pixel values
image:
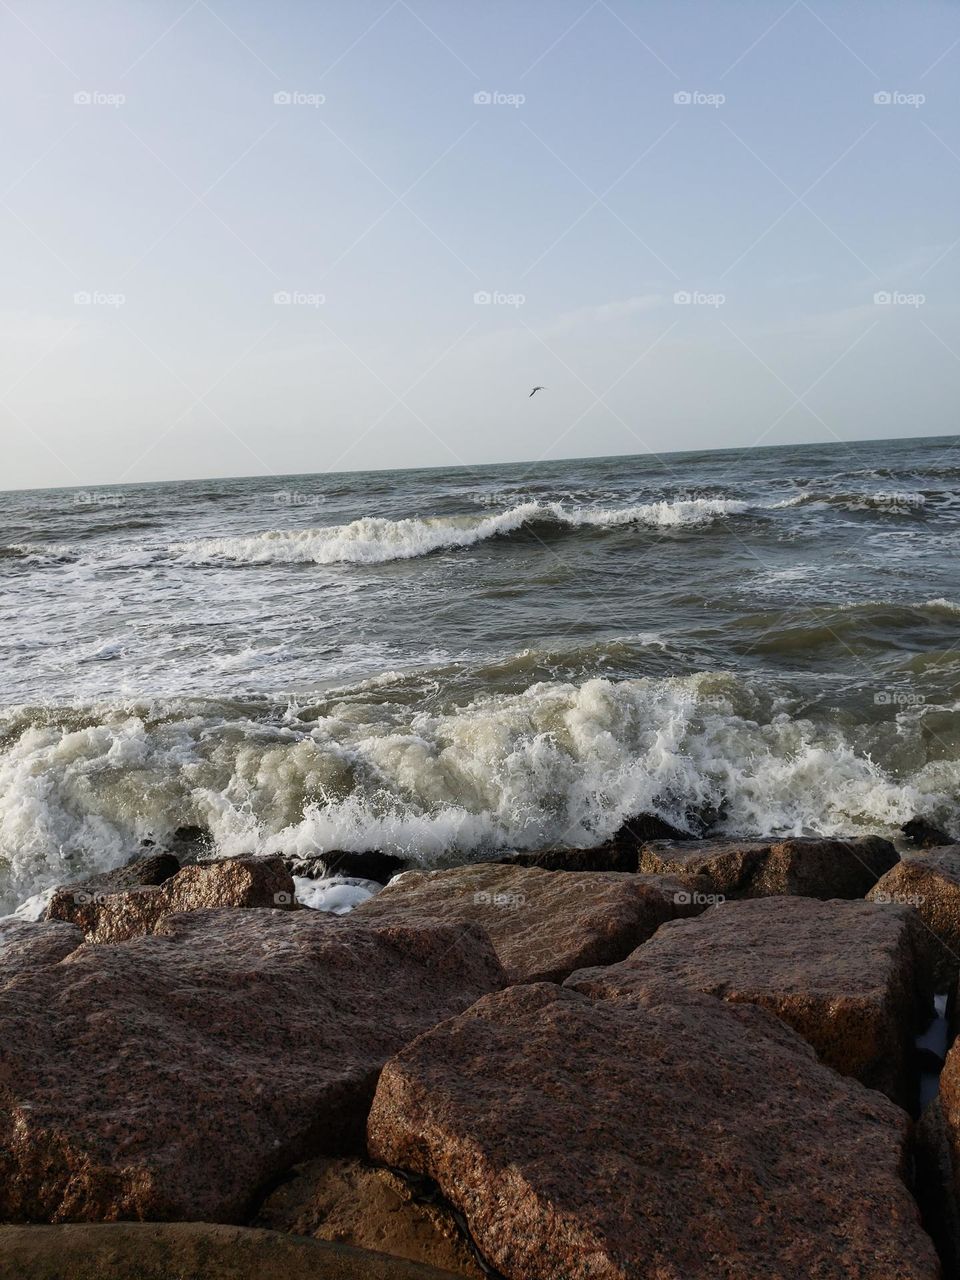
(201, 1078)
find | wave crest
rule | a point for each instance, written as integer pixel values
(375, 540)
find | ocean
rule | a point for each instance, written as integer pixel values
(444, 662)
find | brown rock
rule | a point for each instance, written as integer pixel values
(678, 1137)
(727, 865)
(132, 913)
(188, 1251)
(151, 868)
(939, 1162)
(172, 1076)
(25, 944)
(810, 868)
(605, 857)
(924, 835)
(352, 1202)
(542, 923)
(848, 976)
(930, 882)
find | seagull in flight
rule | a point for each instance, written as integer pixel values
(535, 390)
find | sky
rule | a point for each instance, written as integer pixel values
(255, 239)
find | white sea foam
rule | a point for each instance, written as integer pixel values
(557, 762)
(374, 540)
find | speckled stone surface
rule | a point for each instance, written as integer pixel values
(369, 1207)
(188, 1251)
(810, 868)
(676, 1137)
(544, 924)
(930, 881)
(28, 945)
(171, 1076)
(133, 912)
(848, 976)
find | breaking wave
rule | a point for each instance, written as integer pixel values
(374, 540)
(558, 762)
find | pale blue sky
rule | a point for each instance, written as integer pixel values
(185, 190)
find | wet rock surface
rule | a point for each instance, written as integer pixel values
(543, 924)
(188, 1251)
(27, 944)
(674, 1135)
(811, 868)
(115, 915)
(352, 1202)
(849, 976)
(173, 1076)
(930, 882)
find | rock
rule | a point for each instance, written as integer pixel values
(810, 868)
(938, 1160)
(605, 857)
(173, 1076)
(676, 1136)
(152, 868)
(188, 1251)
(617, 854)
(924, 835)
(234, 882)
(645, 827)
(352, 1202)
(542, 923)
(848, 976)
(28, 944)
(930, 882)
(369, 865)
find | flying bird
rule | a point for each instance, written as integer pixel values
(535, 390)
